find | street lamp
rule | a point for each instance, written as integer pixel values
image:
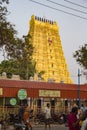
(79, 87)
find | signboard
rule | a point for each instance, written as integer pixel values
(49, 93)
(1, 91)
(13, 101)
(22, 94)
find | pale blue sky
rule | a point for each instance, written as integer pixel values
(73, 30)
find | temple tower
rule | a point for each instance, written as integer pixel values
(48, 52)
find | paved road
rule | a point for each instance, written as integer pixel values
(52, 128)
(42, 127)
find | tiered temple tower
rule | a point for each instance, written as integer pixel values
(48, 52)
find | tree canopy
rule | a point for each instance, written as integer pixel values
(7, 31)
(81, 56)
(17, 52)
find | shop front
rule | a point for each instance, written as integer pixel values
(37, 94)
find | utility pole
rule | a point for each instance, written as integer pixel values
(79, 87)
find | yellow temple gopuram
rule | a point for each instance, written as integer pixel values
(48, 53)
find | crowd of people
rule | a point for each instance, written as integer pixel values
(26, 113)
(77, 117)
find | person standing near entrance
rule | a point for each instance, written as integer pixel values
(73, 122)
(47, 116)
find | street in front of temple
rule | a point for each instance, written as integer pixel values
(42, 127)
(53, 127)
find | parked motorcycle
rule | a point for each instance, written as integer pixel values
(39, 118)
(13, 118)
(59, 118)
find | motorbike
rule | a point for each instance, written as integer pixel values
(39, 118)
(59, 118)
(13, 118)
(21, 126)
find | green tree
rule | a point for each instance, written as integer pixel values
(27, 65)
(7, 31)
(81, 56)
(10, 67)
(2, 1)
(17, 52)
(20, 59)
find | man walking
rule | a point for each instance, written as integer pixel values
(47, 116)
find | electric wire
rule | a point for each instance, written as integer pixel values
(75, 4)
(59, 10)
(67, 7)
